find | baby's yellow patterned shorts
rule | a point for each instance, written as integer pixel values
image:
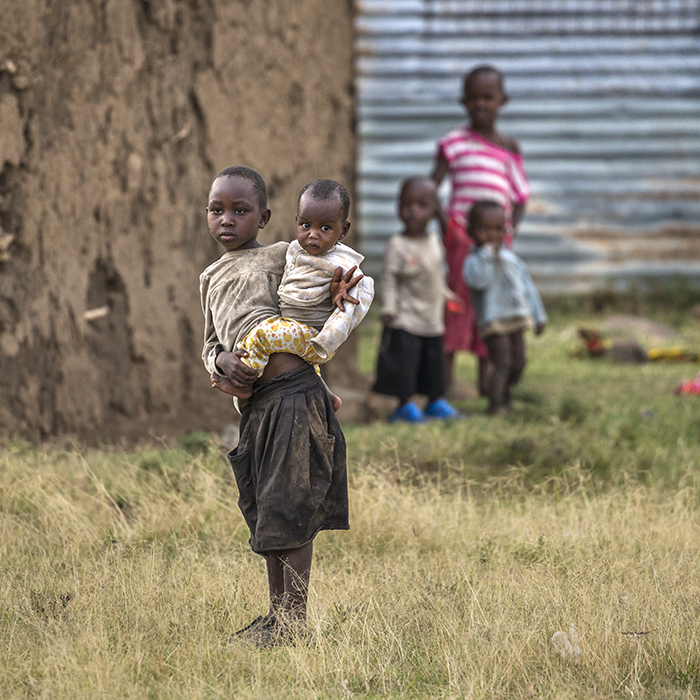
(278, 334)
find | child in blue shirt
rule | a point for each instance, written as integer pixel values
(505, 299)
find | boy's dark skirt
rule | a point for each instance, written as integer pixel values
(290, 463)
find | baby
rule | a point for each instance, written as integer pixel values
(310, 324)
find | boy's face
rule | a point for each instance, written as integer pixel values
(234, 215)
(489, 227)
(417, 206)
(483, 97)
(320, 223)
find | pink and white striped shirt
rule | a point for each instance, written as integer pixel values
(481, 170)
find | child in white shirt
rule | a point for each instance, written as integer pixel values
(411, 358)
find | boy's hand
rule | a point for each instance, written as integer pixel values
(388, 320)
(341, 284)
(229, 363)
(539, 328)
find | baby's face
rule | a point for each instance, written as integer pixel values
(489, 227)
(320, 223)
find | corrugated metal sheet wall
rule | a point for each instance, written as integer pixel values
(605, 101)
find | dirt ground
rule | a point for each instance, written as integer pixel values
(115, 116)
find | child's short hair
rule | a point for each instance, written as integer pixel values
(251, 175)
(476, 209)
(327, 189)
(480, 70)
(412, 180)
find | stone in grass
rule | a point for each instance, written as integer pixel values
(567, 646)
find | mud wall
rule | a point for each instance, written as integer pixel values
(114, 116)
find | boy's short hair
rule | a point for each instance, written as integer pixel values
(251, 175)
(327, 189)
(412, 180)
(476, 209)
(480, 70)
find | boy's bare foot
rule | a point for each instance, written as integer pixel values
(227, 386)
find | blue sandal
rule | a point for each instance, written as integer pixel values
(442, 410)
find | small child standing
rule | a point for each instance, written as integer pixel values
(411, 358)
(290, 462)
(505, 298)
(309, 325)
(481, 163)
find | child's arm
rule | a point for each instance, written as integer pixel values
(215, 358)
(517, 214)
(390, 283)
(478, 268)
(211, 347)
(341, 284)
(228, 364)
(534, 300)
(341, 323)
(442, 168)
(519, 183)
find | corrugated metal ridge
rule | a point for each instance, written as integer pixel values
(469, 42)
(430, 9)
(521, 7)
(547, 25)
(530, 107)
(428, 66)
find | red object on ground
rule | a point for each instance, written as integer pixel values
(692, 387)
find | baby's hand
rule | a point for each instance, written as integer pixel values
(341, 284)
(388, 320)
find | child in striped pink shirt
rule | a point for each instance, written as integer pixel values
(481, 164)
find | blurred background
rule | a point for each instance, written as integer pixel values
(116, 114)
(604, 100)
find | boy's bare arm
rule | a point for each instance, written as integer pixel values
(517, 215)
(230, 365)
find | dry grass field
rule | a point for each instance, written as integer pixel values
(122, 573)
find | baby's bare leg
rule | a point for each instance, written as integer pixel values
(227, 386)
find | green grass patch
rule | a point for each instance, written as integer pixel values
(471, 544)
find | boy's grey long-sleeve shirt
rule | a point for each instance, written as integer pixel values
(237, 292)
(501, 287)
